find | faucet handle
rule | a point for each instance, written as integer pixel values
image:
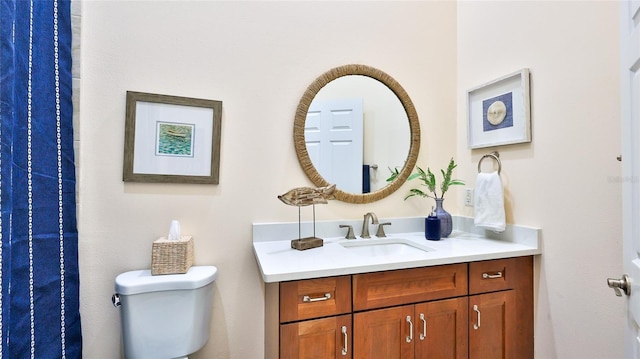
(380, 232)
(350, 234)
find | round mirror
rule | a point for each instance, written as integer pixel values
(352, 125)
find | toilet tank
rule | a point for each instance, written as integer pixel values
(165, 316)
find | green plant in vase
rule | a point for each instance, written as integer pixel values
(429, 188)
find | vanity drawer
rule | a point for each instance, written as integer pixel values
(493, 275)
(385, 289)
(314, 298)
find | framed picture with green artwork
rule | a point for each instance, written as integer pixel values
(171, 139)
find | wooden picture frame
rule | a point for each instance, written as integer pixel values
(499, 112)
(171, 139)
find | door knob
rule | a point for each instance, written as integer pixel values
(620, 285)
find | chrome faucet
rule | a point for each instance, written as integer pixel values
(365, 223)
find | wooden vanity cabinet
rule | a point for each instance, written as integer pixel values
(471, 310)
(501, 308)
(315, 318)
(436, 329)
(416, 320)
(317, 338)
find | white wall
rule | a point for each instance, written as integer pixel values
(567, 181)
(258, 58)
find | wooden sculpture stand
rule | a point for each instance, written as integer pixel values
(302, 244)
(307, 243)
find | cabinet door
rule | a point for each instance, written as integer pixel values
(384, 333)
(492, 320)
(325, 338)
(441, 329)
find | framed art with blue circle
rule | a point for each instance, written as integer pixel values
(499, 111)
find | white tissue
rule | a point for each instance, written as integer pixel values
(174, 231)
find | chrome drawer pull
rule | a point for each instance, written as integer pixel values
(492, 276)
(346, 340)
(410, 336)
(423, 335)
(475, 309)
(308, 299)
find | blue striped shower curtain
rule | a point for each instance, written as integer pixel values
(39, 253)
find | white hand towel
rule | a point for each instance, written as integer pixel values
(489, 202)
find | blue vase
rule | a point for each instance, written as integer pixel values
(446, 222)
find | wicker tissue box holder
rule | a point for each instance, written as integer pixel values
(172, 257)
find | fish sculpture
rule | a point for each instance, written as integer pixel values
(306, 196)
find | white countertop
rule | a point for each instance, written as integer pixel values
(279, 262)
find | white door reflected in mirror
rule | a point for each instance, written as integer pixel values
(384, 129)
(333, 134)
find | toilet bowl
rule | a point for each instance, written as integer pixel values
(164, 316)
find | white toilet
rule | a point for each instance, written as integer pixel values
(164, 316)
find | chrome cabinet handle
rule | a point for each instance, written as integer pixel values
(492, 276)
(346, 340)
(410, 336)
(308, 299)
(475, 309)
(423, 335)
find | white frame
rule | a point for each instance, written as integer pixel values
(518, 111)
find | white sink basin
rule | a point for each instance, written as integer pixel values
(385, 247)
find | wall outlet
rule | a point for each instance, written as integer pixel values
(468, 197)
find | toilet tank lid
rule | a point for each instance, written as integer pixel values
(141, 281)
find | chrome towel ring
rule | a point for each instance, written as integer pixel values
(496, 156)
